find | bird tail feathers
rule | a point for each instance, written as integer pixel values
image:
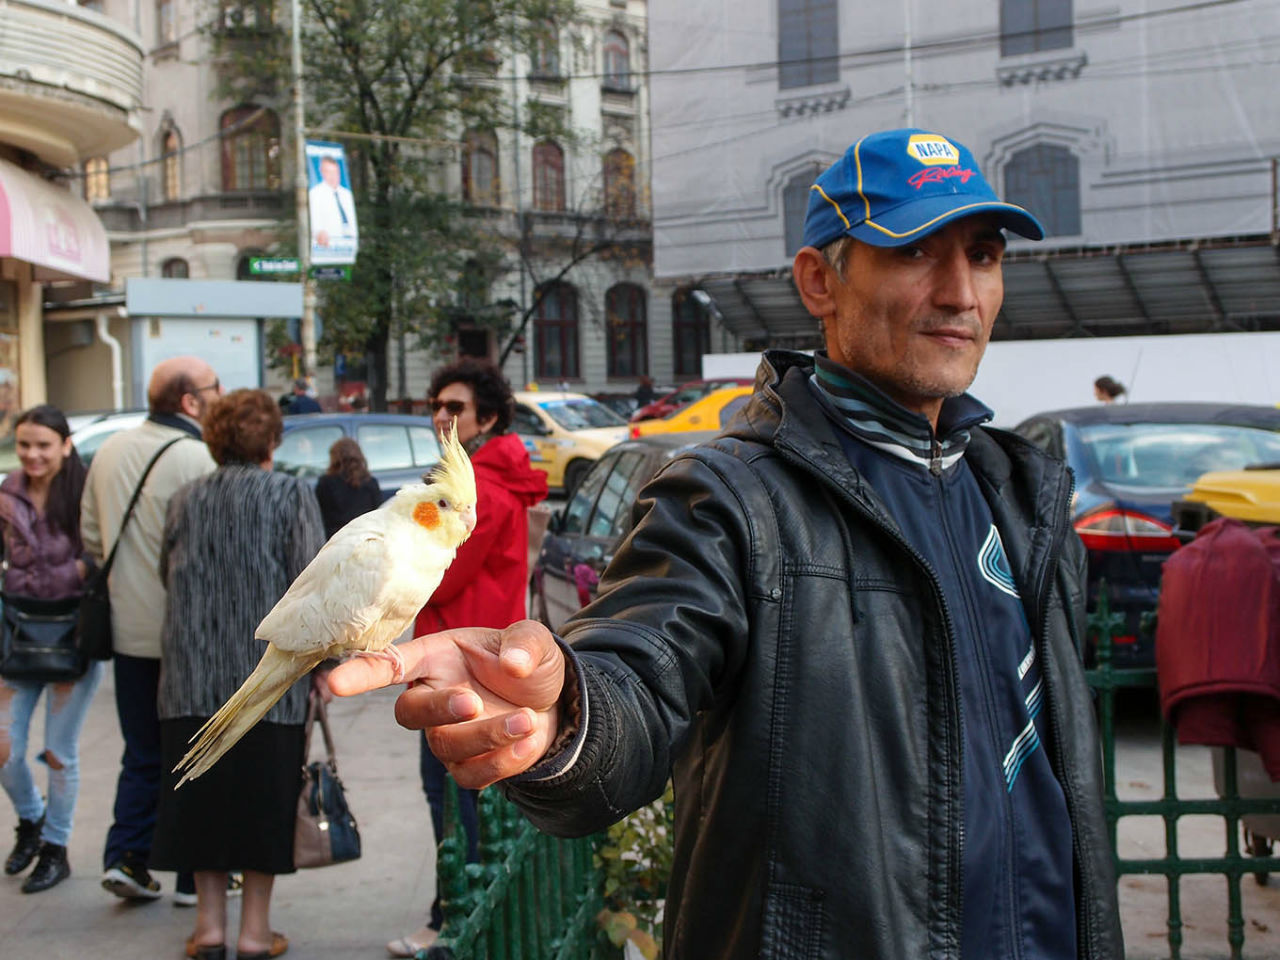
(273, 675)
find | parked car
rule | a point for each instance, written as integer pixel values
(1131, 462)
(623, 404)
(712, 412)
(565, 433)
(89, 434)
(685, 394)
(399, 448)
(583, 535)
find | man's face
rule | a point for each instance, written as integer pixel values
(329, 173)
(915, 320)
(207, 389)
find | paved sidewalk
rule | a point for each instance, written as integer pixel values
(345, 911)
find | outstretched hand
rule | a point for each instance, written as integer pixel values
(487, 699)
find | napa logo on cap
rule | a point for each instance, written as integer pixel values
(932, 150)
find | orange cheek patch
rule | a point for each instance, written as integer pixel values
(427, 515)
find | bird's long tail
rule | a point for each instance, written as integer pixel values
(273, 675)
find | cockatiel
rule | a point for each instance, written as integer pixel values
(355, 597)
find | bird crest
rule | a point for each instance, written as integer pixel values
(454, 471)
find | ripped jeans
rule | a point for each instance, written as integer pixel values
(65, 707)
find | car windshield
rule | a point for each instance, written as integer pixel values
(1173, 455)
(581, 414)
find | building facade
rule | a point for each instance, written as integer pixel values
(207, 187)
(1143, 135)
(70, 89)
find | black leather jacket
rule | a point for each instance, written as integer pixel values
(767, 636)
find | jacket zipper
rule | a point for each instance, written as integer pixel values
(955, 858)
(1084, 945)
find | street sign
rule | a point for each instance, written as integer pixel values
(331, 273)
(274, 265)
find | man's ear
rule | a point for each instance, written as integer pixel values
(813, 278)
(191, 405)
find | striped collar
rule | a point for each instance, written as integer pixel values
(876, 419)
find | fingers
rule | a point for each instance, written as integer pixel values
(423, 657)
(528, 668)
(360, 676)
(480, 752)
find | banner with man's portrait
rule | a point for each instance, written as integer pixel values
(332, 208)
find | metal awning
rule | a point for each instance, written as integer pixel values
(50, 228)
(1192, 286)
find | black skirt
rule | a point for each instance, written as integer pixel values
(238, 815)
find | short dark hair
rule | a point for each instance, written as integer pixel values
(1110, 386)
(243, 427)
(168, 398)
(493, 393)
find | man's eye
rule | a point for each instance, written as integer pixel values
(911, 252)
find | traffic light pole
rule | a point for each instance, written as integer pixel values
(307, 325)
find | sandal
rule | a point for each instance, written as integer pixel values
(206, 951)
(279, 944)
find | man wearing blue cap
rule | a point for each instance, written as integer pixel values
(849, 628)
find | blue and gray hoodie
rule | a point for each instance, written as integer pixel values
(1017, 864)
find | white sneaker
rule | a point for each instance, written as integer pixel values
(183, 899)
(130, 881)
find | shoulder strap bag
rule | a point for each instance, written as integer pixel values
(95, 640)
(325, 831)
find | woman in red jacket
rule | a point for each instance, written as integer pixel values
(487, 583)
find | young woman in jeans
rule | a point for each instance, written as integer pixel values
(40, 525)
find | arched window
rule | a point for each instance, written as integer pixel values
(548, 177)
(1045, 179)
(690, 333)
(250, 149)
(617, 61)
(97, 180)
(480, 168)
(619, 184)
(808, 42)
(175, 267)
(166, 21)
(795, 202)
(1027, 26)
(546, 52)
(555, 329)
(625, 320)
(171, 164)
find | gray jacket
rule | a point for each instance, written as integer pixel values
(233, 542)
(767, 637)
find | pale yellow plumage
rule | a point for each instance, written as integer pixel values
(356, 597)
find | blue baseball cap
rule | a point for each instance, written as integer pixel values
(894, 187)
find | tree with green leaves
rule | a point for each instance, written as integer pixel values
(399, 82)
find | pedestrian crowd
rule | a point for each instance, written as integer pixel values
(201, 537)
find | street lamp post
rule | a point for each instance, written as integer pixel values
(307, 325)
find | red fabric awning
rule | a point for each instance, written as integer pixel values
(50, 228)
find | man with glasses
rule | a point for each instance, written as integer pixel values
(180, 391)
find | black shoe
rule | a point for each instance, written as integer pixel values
(51, 869)
(128, 879)
(27, 846)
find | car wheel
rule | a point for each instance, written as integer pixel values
(573, 475)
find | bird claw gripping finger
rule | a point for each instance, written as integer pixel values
(391, 653)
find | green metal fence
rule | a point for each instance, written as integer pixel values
(531, 896)
(1108, 680)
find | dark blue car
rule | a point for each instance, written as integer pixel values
(1131, 462)
(400, 448)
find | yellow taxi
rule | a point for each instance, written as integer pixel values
(712, 412)
(1251, 495)
(565, 433)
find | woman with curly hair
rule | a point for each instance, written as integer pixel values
(234, 540)
(40, 527)
(348, 489)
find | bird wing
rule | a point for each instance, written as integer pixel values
(359, 592)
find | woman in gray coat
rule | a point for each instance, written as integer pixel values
(234, 541)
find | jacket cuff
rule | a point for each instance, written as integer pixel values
(567, 747)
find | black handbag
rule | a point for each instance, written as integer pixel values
(94, 623)
(325, 830)
(39, 640)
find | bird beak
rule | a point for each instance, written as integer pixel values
(469, 519)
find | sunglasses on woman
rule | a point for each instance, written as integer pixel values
(453, 407)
